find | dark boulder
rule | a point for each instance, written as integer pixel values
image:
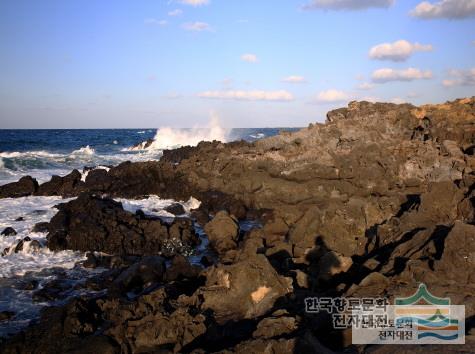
(223, 232)
(24, 187)
(67, 186)
(246, 289)
(41, 227)
(175, 209)
(9, 231)
(139, 276)
(92, 223)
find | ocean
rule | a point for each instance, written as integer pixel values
(43, 153)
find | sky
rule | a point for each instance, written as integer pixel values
(265, 63)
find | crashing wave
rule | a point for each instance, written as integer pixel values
(86, 150)
(170, 138)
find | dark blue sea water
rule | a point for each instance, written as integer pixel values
(42, 153)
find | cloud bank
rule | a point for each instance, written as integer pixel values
(397, 51)
(386, 75)
(451, 9)
(460, 78)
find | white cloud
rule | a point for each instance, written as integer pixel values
(365, 86)
(250, 58)
(295, 79)
(460, 78)
(195, 2)
(410, 74)
(176, 12)
(154, 21)
(397, 51)
(196, 26)
(347, 4)
(452, 9)
(332, 96)
(249, 95)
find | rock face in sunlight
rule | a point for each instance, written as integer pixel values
(376, 200)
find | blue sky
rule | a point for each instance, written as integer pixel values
(113, 64)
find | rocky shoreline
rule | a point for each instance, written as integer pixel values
(375, 201)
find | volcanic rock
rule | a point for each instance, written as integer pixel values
(42, 227)
(24, 187)
(91, 223)
(175, 209)
(246, 289)
(223, 232)
(9, 231)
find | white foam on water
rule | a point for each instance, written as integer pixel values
(32, 210)
(154, 205)
(257, 136)
(86, 150)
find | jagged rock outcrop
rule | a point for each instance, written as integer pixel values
(92, 223)
(376, 200)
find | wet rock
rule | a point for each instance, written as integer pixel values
(35, 246)
(24, 187)
(20, 218)
(21, 244)
(143, 145)
(223, 232)
(9, 231)
(91, 223)
(175, 209)
(27, 284)
(51, 291)
(246, 289)
(42, 227)
(67, 186)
